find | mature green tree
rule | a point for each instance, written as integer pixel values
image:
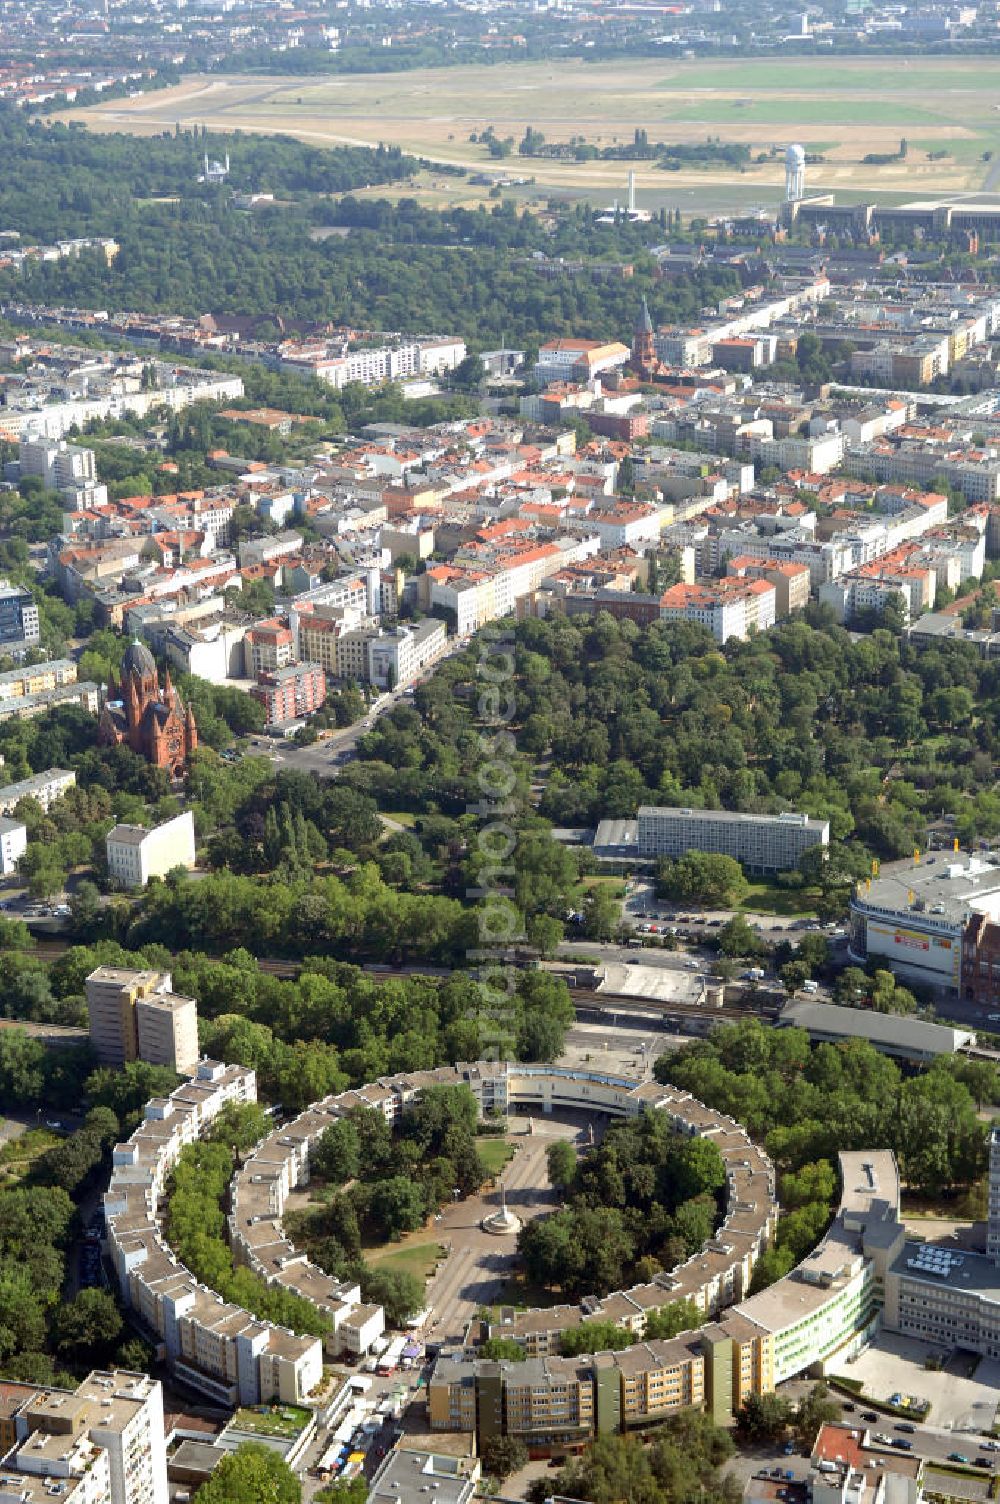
(253, 1474)
(502, 1348)
(676, 1316)
(337, 1155)
(503, 1455)
(88, 1327)
(560, 1159)
(764, 1418)
(814, 1410)
(400, 1293)
(594, 1337)
(702, 877)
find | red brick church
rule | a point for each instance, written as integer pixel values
(153, 722)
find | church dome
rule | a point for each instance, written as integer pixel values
(138, 661)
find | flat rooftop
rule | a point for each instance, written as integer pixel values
(945, 889)
(886, 1031)
(406, 1475)
(950, 1268)
(789, 820)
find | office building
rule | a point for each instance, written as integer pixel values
(764, 843)
(13, 844)
(134, 1015)
(136, 854)
(45, 788)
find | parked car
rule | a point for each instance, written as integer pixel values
(958, 1457)
(868, 1415)
(905, 1425)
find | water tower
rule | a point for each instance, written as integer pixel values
(795, 174)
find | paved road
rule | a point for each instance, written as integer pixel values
(326, 758)
(480, 1264)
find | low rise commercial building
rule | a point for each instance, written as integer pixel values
(915, 917)
(406, 1475)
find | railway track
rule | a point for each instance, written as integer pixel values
(585, 999)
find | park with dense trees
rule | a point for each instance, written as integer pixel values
(806, 1102)
(642, 1200)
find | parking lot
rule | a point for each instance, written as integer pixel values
(894, 1364)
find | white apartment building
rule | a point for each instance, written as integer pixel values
(70, 469)
(222, 1350)
(823, 560)
(854, 595)
(816, 455)
(102, 1443)
(471, 596)
(728, 608)
(627, 526)
(45, 787)
(13, 844)
(372, 365)
(397, 657)
(765, 843)
(136, 854)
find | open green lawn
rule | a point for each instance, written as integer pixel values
(274, 1420)
(401, 817)
(415, 1258)
(494, 1153)
(767, 898)
(19, 1154)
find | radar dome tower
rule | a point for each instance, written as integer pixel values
(795, 174)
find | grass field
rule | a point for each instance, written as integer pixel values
(19, 1154)
(415, 1258)
(494, 1153)
(846, 108)
(767, 898)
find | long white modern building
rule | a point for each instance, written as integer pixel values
(765, 843)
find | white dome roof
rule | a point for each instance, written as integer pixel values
(795, 156)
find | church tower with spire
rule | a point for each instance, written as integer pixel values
(643, 360)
